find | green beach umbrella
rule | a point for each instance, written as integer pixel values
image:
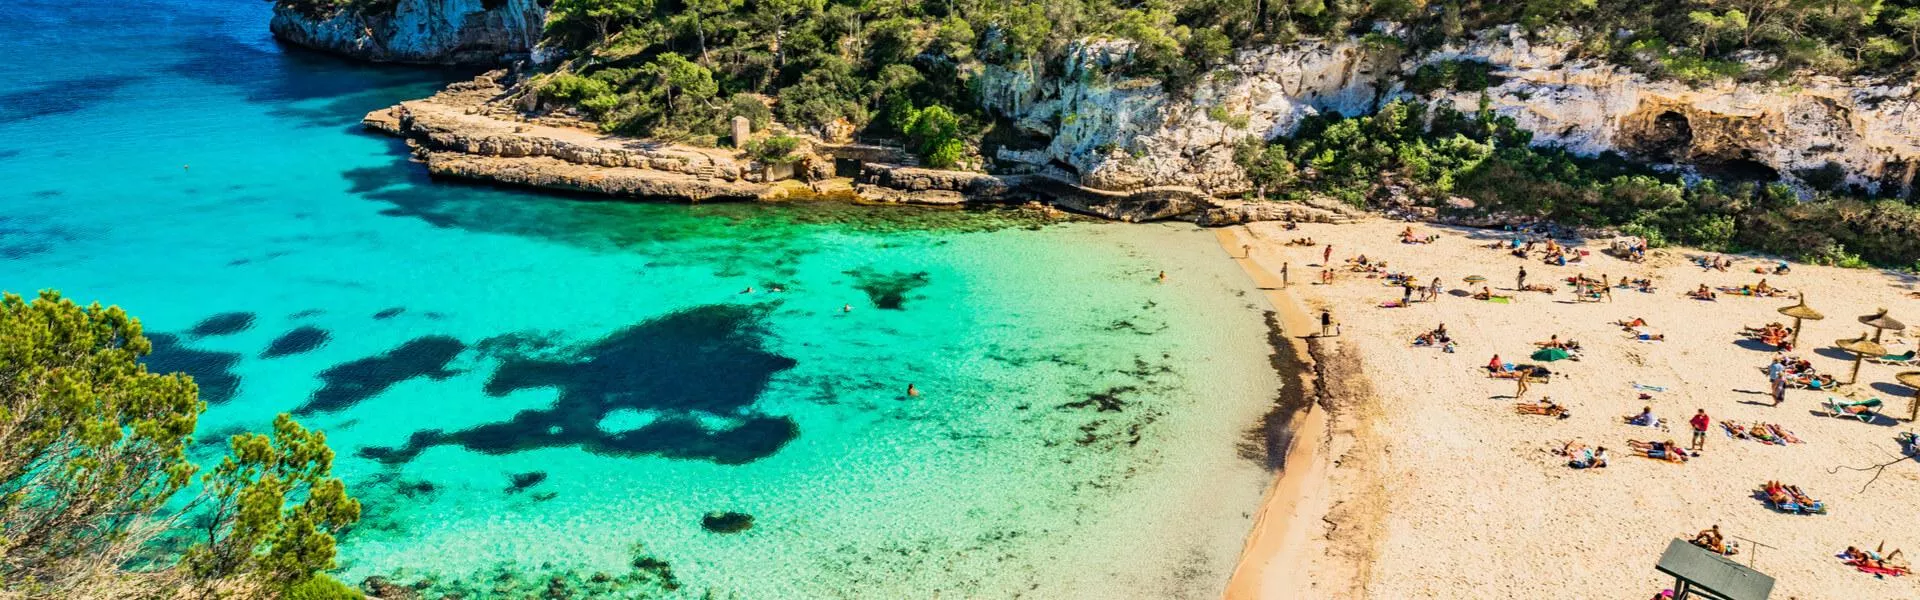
(1475, 279)
(1550, 354)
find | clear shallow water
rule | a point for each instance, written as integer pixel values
(534, 386)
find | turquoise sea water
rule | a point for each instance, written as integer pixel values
(524, 387)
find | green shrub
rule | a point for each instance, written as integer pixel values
(321, 587)
(776, 149)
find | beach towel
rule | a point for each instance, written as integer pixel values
(1501, 300)
(1649, 388)
(1877, 571)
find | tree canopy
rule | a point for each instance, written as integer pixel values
(93, 454)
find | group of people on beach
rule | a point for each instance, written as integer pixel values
(1785, 371)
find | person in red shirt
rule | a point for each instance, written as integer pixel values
(1700, 423)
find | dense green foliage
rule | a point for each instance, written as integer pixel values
(1486, 159)
(93, 448)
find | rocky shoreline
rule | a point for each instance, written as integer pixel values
(469, 131)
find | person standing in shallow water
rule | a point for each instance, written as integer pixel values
(1283, 274)
(1163, 276)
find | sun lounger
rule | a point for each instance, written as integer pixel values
(1903, 359)
(1865, 410)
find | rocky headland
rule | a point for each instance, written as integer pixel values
(472, 130)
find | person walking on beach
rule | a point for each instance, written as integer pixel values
(1520, 283)
(1699, 422)
(1326, 323)
(1326, 256)
(1246, 251)
(1779, 389)
(1406, 293)
(1520, 383)
(1433, 291)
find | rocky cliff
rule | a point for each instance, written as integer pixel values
(446, 32)
(1122, 134)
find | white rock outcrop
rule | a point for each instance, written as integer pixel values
(1118, 133)
(1126, 133)
(1869, 129)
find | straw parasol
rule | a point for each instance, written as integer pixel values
(1911, 379)
(1880, 322)
(1798, 312)
(1475, 279)
(1861, 347)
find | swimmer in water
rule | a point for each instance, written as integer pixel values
(749, 290)
(1163, 275)
(846, 308)
(911, 391)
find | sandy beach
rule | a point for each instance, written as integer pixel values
(1414, 477)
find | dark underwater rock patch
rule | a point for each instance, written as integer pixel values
(888, 290)
(726, 522)
(211, 370)
(228, 323)
(707, 360)
(351, 382)
(519, 482)
(299, 340)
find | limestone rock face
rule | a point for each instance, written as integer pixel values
(1116, 133)
(1869, 130)
(448, 32)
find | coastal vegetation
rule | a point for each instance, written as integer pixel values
(1429, 159)
(680, 68)
(99, 497)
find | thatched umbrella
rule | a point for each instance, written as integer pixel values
(1861, 347)
(1880, 322)
(1798, 312)
(1911, 379)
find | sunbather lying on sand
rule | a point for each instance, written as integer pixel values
(1704, 293)
(1486, 293)
(1545, 407)
(1535, 287)
(1667, 450)
(1581, 457)
(1631, 324)
(1892, 562)
(1813, 381)
(1301, 242)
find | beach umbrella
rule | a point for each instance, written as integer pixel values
(1798, 312)
(1911, 379)
(1475, 279)
(1861, 347)
(1880, 322)
(1550, 354)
